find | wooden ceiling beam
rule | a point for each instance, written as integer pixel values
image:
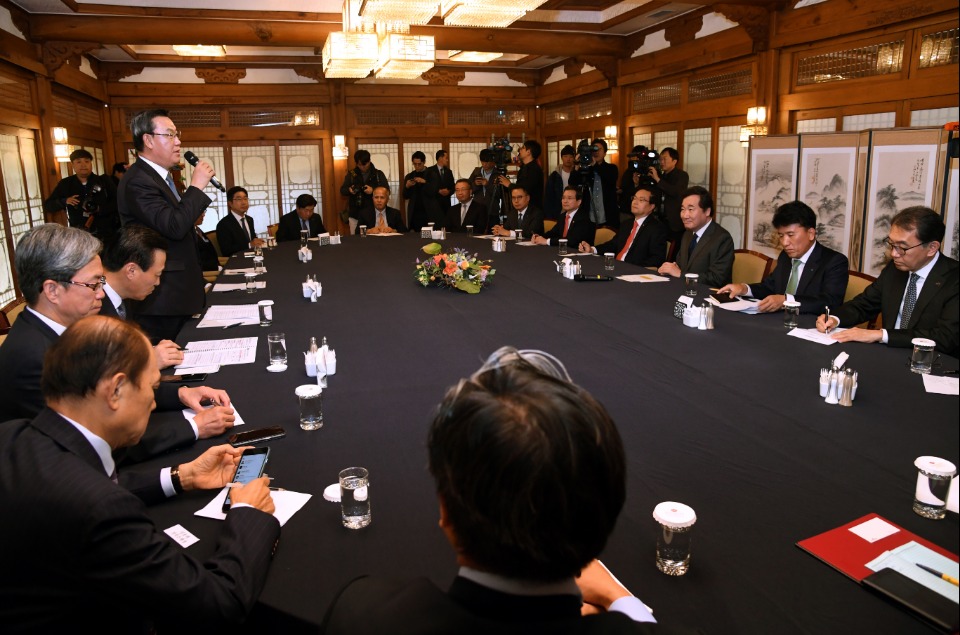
(166, 31)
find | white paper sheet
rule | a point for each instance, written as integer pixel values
(181, 536)
(642, 277)
(193, 370)
(237, 350)
(223, 287)
(240, 272)
(813, 335)
(287, 504)
(189, 414)
(221, 315)
(942, 385)
(904, 559)
(874, 529)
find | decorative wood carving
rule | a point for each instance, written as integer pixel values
(755, 20)
(310, 72)
(56, 54)
(604, 64)
(437, 77)
(901, 14)
(263, 31)
(683, 31)
(116, 72)
(572, 67)
(525, 76)
(221, 75)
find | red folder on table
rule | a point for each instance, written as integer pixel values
(848, 553)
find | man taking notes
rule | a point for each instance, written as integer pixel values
(807, 272)
(918, 292)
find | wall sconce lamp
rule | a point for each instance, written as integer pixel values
(756, 124)
(610, 135)
(340, 149)
(61, 147)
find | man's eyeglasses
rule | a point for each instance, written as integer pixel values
(239, 199)
(642, 200)
(94, 286)
(897, 249)
(168, 135)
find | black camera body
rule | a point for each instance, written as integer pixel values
(585, 151)
(641, 162)
(502, 155)
(357, 200)
(90, 204)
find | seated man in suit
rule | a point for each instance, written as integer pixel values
(235, 231)
(381, 219)
(466, 212)
(918, 292)
(576, 228)
(706, 248)
(87, 558)
(209, 261)
(644, 241)
(303, 217)
(516, 436)
(523, 220)
(807, 272)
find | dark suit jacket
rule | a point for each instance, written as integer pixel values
(206, 252)
(231, 236)
(554, 192)
(530, 176)
(145, 199)
(476, 216)
(822, 283)
(435, 203)
(609, 174)
(936, 315)
(712, 258)
(481, 193)
(21, 364)
(289, 226)
(105, 221)
(374, 606)
(649, 248)
(87, 557)
(673, 184)
(582, 229)
(368, 217)
(532, 221)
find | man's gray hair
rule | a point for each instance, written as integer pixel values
(52, 252)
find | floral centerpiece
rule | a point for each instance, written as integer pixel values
(458, 269)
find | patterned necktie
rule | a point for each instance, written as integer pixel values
(909, 301)
(303, 225)
(794, 276)
(173, 188)
(122, 311)
(693, 245)
(626, 246)
(463, 212)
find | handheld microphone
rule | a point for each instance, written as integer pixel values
(193, 160)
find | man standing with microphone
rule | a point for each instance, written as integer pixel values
(148, 196)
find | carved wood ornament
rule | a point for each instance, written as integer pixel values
(524, 76)
(56, 54)
(443, 77)
(221, 75)
(755, 20)
(116, 72)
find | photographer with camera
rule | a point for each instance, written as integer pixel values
(673, 183)
(637, 174)
(565, 175)
(359, 183)
(89, 200)
(530, 175)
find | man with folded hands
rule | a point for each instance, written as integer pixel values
(381, 219)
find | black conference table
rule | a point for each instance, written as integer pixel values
(728, 421)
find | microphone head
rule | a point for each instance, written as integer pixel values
(191, 158)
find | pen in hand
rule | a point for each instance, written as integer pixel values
(826, 324)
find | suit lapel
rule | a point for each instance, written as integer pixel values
(809, 269)
(704, 242)
(146, 168)
(931, 286)
(65, 435)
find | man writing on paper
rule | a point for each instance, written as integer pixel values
(515, 437)
(706, 248)
(807, 272)
(82, 555)
(918, 292)
(644, 241)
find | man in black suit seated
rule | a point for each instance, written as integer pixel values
(642, 242)
(523, 220)
(235, 231)
(82, 554)
(381, 219)
(303, 217)
(576, 228)
(918, 292)
(531, 476)
(467, 211)
(706, 248)
(807, 272)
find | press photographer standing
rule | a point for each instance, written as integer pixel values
(89, 200)
(672, 183)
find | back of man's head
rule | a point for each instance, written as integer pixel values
(795, 213)
(529, 468)
(534, 147)
(927, 223)
(133, 243)
(51, 252)
(93, 349)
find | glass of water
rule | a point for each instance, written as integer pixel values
(608, 259)
(277, 347)
(921, 361)
(562, 247)
(355, 497)
(674, 524)
(691, 284)
(311, 406)
(934, 476)
(791, 314)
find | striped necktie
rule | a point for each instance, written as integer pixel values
(173, 188)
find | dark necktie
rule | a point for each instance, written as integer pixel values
(693, 245)
(909, 301)
(303, 225)
(122, 310)
(246, 228)
(173, 188)
(463, 212)
(113, 476)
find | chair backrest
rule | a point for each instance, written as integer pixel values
(856, 283)
(750, 266)
(669, 249)
(212, 237)
(9, 315)
(548, 225)
(603, 235)
(272, 230)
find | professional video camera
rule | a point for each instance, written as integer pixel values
(641, 160)
(90, 204)
(356, 183)
(502, 154)
(585, 151)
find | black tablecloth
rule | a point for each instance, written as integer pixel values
(728, 421)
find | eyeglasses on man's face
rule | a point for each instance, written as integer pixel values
(898, 249)
(169, 135)
(94, 286)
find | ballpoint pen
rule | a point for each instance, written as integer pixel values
(943, 576)
(826, 325)
(230, 326)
